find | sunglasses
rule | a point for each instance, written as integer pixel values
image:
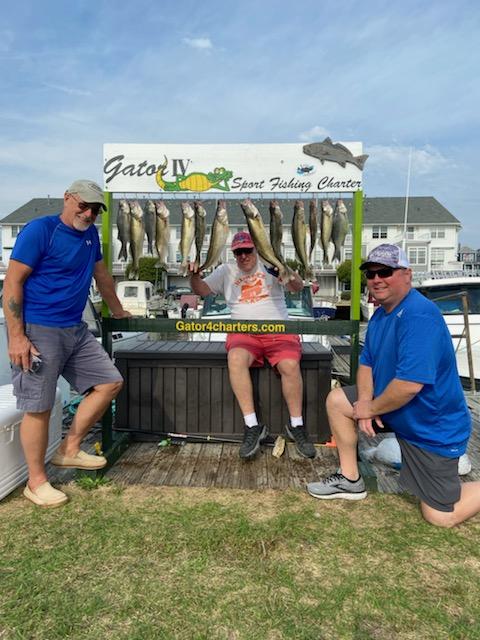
(239, 252)
(386, 272)
(95, 208)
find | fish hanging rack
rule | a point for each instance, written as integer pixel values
(114, 446)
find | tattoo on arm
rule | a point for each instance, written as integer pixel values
(15, 308)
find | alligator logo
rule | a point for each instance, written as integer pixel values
(216, 179)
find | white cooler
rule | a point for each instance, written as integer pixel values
(13, 470)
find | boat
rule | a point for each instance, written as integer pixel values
(450, 291)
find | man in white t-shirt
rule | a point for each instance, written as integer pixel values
(254, 292)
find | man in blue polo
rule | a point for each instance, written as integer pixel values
(408, 380)
(45, 291)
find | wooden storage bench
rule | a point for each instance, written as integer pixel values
(183, 387)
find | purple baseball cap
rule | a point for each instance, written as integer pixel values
(388, 254)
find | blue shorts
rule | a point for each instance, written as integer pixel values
(71, 352)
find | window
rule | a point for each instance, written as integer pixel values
(131, 292)
(438, 258)
(437, 232)
(410, 233)
(417, 256)
(16, 230)
(379, 232)
(347, 254)
(178, 232)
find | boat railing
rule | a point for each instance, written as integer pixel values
(439, 274)
(465, 335)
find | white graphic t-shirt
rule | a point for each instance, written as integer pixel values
(256, 295)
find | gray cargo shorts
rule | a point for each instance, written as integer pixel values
(72, 352)
(432, 478)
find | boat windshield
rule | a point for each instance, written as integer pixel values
(215, 305)
(453, 305)
(299, 303)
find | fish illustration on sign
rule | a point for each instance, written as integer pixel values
(216, 179)
(333, 152)
(305, 169)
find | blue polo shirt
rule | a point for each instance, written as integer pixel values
(413, 343)
(63, 260)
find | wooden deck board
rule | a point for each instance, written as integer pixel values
(131, 466)
(218, 465)
(160, 466)
(206, 467)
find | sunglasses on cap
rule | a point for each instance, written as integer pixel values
(385, 272)
(94, 207)
(239, 252)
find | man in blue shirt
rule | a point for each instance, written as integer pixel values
(45, 291)
(408, 380)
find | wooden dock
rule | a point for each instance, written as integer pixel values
(213, 465)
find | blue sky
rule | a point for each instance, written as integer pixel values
(393, 74)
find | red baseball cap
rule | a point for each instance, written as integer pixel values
(242, 240)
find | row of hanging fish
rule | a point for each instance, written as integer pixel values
(333, 227)
(133, 223)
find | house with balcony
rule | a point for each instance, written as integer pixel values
(470, 259)
(430, 233)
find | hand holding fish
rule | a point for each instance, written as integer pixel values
(193, 269)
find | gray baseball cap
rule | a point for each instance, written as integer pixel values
(388, 254)
(88, 191)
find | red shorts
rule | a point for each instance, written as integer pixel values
(273, 347)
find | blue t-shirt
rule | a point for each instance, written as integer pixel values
(412, 343)
(63, 260)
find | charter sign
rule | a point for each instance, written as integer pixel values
(234, 168)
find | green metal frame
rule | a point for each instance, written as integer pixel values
(114, 445)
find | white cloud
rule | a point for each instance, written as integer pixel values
(199, 43)
(426, 160)
(314, 133)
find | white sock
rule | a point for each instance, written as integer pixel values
(296, 422)
(250, 420)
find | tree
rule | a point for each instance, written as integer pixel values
(296, 266)
(147, 270)
(344, 273)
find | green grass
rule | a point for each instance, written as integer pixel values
(192, 564)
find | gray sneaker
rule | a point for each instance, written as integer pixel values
(337, 486)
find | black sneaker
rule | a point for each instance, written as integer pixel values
(252, 438)
(302, 444)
